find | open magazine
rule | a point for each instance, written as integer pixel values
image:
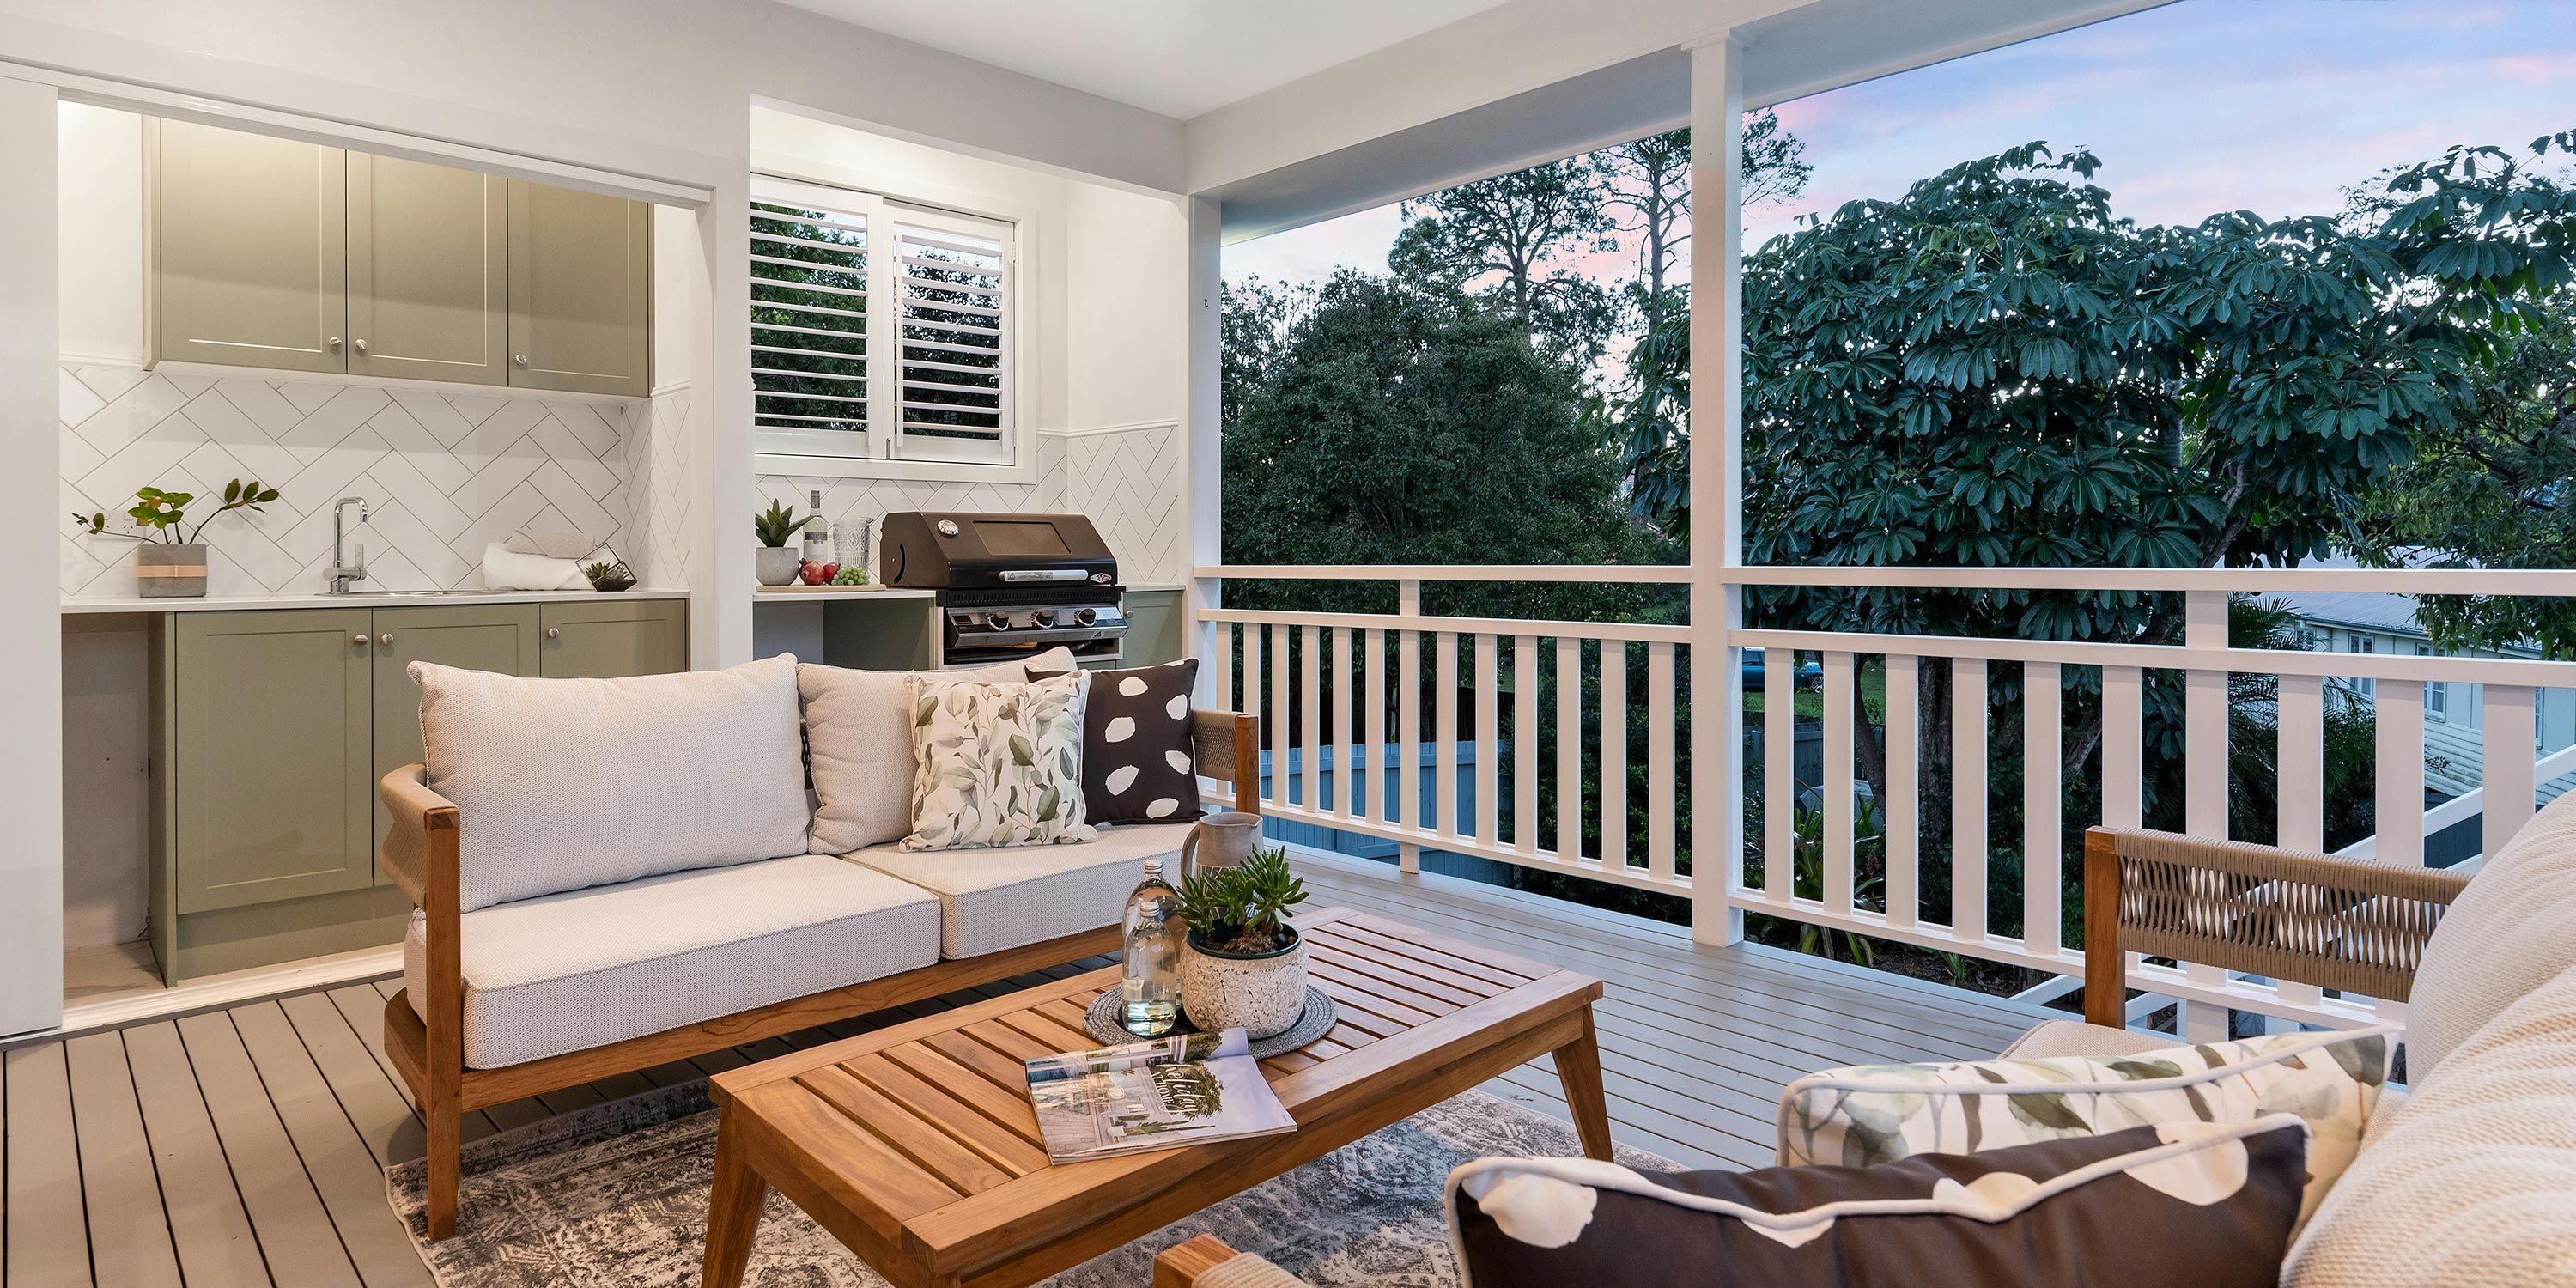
(1186, 1089)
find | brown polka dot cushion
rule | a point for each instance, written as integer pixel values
(1136, 757)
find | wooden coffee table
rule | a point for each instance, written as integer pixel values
(915, 1144)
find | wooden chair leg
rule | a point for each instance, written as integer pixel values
(443, 1117)
(2106, 984)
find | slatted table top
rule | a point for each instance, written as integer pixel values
(916, 1144)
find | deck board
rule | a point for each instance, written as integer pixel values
(291, 1108)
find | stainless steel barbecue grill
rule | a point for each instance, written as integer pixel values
(1009, 585)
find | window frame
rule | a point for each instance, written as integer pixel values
(885, 452)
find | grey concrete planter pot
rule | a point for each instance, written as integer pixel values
(164, 571)
(1261, 993)
(776, 565)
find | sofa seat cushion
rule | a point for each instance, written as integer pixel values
(994, 899)
(563, 784)
(2512, 930)
(569, 972)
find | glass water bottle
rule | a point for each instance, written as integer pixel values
(1151, 994)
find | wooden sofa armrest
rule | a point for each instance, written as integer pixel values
(2350, 924)
(1232, 740)
(1206, 1262)
(412, 845)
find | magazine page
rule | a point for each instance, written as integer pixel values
(1153, 1095)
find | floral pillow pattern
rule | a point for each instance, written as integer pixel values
(996, 764)
(1871, 1114)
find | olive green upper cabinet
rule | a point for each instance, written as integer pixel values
(428, 271)
(581, 291)
(613, 637)
(270, 757)
(252, 264)
(500, 638)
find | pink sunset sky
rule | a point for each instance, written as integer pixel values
(2199, 106)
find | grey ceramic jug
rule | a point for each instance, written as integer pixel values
(1220, 840)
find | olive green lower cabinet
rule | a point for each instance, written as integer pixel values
(270, 730)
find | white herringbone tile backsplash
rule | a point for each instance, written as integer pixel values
(1128, 482)
(443, 472)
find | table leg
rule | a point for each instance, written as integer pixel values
(1578, 1066)
(733, 1210)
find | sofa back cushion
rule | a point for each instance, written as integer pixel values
(2512, 930)
(858, 732)
(564, 784)
(2473, 1179)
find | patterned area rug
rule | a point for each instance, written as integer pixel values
(617, 1195)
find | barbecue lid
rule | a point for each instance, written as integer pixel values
(938, 550)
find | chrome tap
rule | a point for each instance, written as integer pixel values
(341, 571)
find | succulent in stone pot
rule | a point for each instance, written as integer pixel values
(1242, 964)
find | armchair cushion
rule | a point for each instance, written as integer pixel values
(2512, 930)
(993, 899)
(859, 735)
(2050, 1039)
(565, 784)
(2205, 1204)
(568, 972)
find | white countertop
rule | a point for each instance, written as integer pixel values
(821, 594)
(229, 603)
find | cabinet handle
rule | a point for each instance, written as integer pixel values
(335, 344)
(386, 639)
(359, 345)
(359, 639)
(520, 358)
(554, 632)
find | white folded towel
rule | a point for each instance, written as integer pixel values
(505, 569)
(553, 544)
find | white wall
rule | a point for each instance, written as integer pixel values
(102, 235)
(31, 702)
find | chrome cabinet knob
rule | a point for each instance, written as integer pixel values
(520, 358)
(359, 639)
(554, 632)
(386, 639)
(359, 345)
(335, 344)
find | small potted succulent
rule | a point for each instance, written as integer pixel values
(1242, 964)
(608, 578)
(776, 563)
(169, 557)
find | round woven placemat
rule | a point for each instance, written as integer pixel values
(1314, 1022)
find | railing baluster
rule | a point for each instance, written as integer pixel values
(1279, 761)
(2205, 769)
(2300, 727)
(1902, 812)
(1660, 709)
(1444, 732)
(2401, 772)
(2042, 807)
(1249, 702)
(1408, 658)
(1345, 798)
(1837, 783)
(1372, 770)
(1310, 713)
(1525, 743)
(1614, 754)
(1569, 748)
(1489, 741)
(1968, 798)
(2123, 745)
(1779, 771)
(2507, 711)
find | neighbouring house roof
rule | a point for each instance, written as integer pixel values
(2356, 610)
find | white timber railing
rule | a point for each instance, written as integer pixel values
(1387, 689)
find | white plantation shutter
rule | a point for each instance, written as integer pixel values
(879, 329)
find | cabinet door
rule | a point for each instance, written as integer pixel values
(253, 260)
(581, 291)
(428, 271)
(478, 637)
(269, 756)
(618, 637)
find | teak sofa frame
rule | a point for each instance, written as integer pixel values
(430, 1054)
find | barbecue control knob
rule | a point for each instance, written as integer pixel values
(1085, 616)
(1042, 617)
(998, 621)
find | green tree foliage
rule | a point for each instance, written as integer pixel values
(1512, 238)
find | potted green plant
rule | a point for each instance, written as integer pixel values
(1242, 964)
(776, 562)
(169, 557)
(608, 578)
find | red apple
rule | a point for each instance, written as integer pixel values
(812, 572)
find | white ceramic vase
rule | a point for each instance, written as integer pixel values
(1261, 994)
(776, 565)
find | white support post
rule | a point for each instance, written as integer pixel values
(1716, 490)
(31, 639)
(1203, 433)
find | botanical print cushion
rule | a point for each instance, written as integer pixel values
(1874, 1114)
(996, 764)
(1137, 764)
(2210, 1205)
(858, 744)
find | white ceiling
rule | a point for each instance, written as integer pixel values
(1174, 57)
